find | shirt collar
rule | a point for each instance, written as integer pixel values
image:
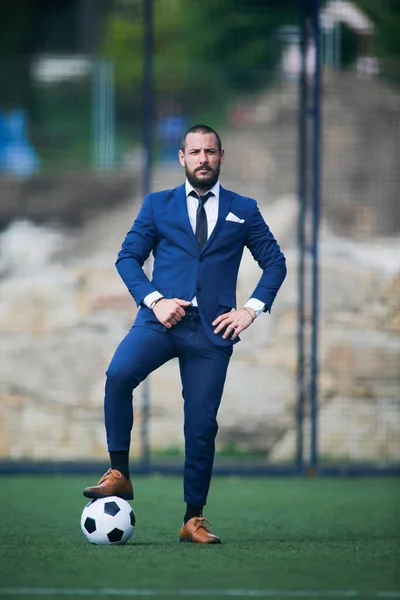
(214, 190)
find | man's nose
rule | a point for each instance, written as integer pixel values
(203, 157)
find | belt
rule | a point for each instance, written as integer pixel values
(192, 312)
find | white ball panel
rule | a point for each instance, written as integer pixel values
(99, 538)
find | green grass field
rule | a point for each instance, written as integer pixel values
(282, 538)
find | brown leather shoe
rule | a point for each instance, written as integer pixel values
(113, 483)
(196, 531)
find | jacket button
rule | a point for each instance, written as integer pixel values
(198, 288)
(201, 259)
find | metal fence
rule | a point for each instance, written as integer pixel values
(313, 387)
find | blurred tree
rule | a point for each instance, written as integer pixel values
(17, 41)
(203, 51)
(29, 27)
(241, 38)
(385, 15)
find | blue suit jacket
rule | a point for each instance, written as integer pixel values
(182, 270)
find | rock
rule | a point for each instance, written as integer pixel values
(63, 308)
(350, 432)
(40, 303)
(390, 319)
(26, 248)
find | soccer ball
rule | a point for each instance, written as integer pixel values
(108, 521)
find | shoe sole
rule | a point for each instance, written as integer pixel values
(94, 496)
(204, 543)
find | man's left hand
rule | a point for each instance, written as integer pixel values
(235, 322)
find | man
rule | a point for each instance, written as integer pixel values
(197, 233)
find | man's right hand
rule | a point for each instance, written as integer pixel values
(169, 311)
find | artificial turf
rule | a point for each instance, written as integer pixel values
(316, 538)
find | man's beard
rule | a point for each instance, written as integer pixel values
(203, 184)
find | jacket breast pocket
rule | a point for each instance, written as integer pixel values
(234, 226)
(233, 232)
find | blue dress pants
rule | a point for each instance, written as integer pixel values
(203, 366)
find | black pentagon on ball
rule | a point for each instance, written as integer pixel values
(111, 508)
(115, 535)
(132, 516)
(90, 525)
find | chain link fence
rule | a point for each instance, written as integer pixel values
(70, 180)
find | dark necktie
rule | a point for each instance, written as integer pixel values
(201, 232)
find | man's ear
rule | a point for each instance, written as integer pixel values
(222, 156)
(181, 158)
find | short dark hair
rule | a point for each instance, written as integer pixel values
(201, 129)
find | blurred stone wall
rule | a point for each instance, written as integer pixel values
(63, 310)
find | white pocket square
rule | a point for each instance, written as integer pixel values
(234, 218)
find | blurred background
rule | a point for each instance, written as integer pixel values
(94, 97)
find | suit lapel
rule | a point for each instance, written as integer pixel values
(182, 215)
(225, 200)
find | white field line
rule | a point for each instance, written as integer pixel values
(223, 593)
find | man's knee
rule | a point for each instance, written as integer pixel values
(122, 375)
(201, 432)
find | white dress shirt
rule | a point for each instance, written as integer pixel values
(211, 208)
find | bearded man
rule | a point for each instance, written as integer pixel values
(197, 233)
